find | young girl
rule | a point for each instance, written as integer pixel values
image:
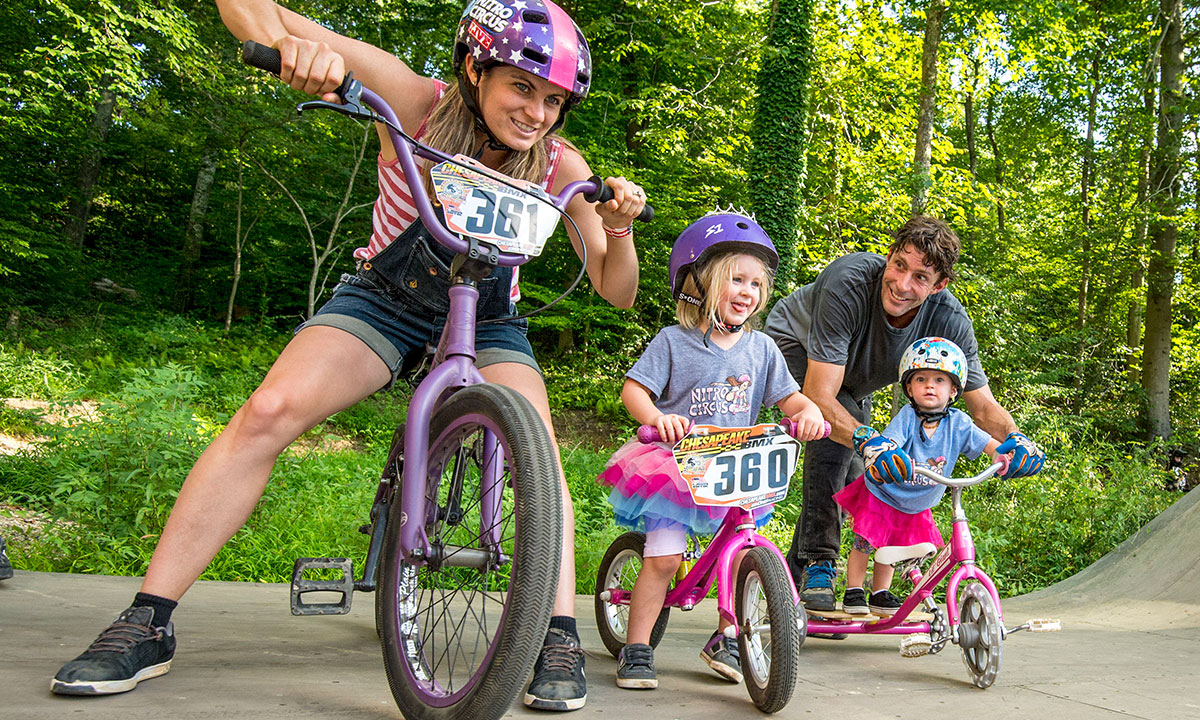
(933, 373)
(707, 369)
(504, 109)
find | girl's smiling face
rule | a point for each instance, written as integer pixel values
(742, 292)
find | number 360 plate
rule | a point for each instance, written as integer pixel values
(478, 205)
(748, 467)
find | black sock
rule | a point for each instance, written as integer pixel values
(162, 607)
(566, 623)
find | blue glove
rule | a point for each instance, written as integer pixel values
(1027, 457)
(886, 461)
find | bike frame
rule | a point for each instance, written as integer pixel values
(956, 560)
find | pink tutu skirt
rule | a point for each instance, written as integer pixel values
(881, 524)
(646, 483)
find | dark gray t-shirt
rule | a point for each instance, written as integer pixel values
(839, 319)
(712, 385)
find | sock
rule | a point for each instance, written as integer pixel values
(162, 607)
(566, 623)
(853, 588)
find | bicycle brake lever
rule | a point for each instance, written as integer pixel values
(351, 93)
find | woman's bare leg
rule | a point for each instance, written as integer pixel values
(308, 382)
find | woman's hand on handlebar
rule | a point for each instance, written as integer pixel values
(310, 67)
(626, 204)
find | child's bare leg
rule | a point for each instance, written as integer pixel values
(856, 569)
(881, 578)
(649, 591)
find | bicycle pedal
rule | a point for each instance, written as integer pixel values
(343, 586)
(1044, 625)
(915, 645)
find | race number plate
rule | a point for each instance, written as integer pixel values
(747, 467)
(478, 205)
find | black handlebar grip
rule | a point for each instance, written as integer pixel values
(604, 193)
(263, 57)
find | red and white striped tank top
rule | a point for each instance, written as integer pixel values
(394, 209)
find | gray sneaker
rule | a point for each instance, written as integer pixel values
(721, 654)
(816, 586)
(6, 570)
(636, 668)
(558, 679)
(126, 653)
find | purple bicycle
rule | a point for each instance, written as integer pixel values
(466, 524)
(973, 619)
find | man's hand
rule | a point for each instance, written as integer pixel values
(886, 461)
(1027, 458)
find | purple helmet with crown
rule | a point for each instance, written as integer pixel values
(714, 233)
(533, 35)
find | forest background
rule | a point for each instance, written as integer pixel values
(166, 220)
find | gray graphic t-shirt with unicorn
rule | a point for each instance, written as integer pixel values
(710, 385)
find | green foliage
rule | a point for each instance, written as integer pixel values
(31, 374)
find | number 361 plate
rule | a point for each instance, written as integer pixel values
(478, 205)
(748, 467)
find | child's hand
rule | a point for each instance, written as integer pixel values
(672, 428)
(810, 424)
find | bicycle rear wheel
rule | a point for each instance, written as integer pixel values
(618, 570)
(769, 634)
(461, 632)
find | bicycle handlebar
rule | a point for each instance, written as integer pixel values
(957, 482)
(648, 433)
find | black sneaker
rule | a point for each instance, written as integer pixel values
(636, 667)
(5, 566)
(816, 586)
(885, 603)
(855, 602)
(126, 653)
(558, 680)
(721, 654)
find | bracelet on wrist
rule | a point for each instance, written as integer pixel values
(621, 233)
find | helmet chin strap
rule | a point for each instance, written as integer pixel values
(699, 302)
(469, 92)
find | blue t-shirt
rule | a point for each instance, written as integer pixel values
(956, 435)
(709, 384)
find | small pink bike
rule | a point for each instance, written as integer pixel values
(740, 468)
(973, 619)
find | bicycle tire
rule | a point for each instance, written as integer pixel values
(769, 641)
(979, 635)
(459, 642)
(619, 569)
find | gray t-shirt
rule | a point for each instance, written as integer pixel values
(839, 319)
(711, 385)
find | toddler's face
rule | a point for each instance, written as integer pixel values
(742, 292)
(931, 389)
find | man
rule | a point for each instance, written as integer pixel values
(842, 337)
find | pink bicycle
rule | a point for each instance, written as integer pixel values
(740, 468)
(973, 619)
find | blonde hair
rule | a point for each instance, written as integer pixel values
(715, 272)
(451, 129)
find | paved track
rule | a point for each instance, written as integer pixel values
(1130, 649)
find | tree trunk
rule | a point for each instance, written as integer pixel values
(80, 204)
(1137, 276)
(1085, 198)
(777, 157)
(933, 36)
(999, 163)
(1164, 187)
(239, 243)
(194, 236)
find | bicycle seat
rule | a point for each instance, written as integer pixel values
(893, 554)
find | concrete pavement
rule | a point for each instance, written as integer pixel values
(1130, 648)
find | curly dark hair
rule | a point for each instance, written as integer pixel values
(931, 237)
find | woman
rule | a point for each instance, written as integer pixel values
(504, 111)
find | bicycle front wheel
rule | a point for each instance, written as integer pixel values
(979, 635)
(461, 631)
(769, 634)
